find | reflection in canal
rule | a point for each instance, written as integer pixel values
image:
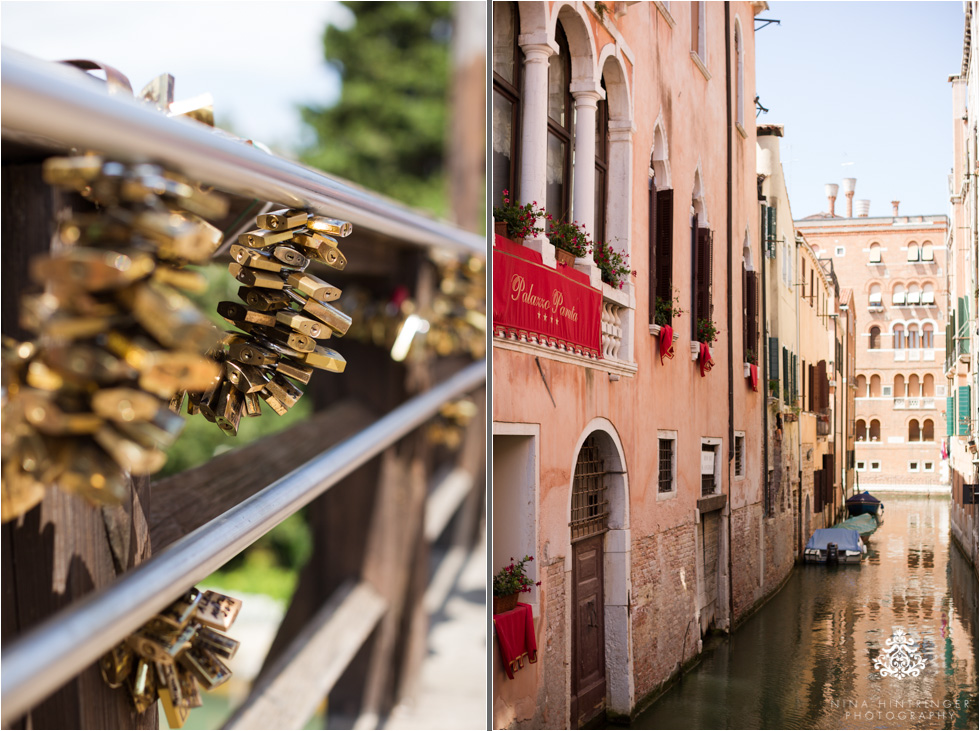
(807, 658)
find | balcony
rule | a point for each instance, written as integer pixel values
(913, 403)
(558, 312)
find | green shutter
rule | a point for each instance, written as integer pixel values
(774, 364)
(796, 391)
(950, 416)
(785, 375)
(963, 411)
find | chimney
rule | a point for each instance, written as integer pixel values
(895, 208)
(863, 206)
(849, 184)
(830, 189)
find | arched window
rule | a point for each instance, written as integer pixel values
(875, 340)
(862, 386)
(928, 434)
(860, 430)
(927, 335)
(927, 251)
(898, 337)
(590, 514)
(558, 200)
(898, 294)
(914, 295)
(601, 166)
(898, 389)
(874, 433)
(913, 250)
(928, 294)
(874, 256)
(915, 388)
(508, 80)
(913, 337)
(914, 431)
(875, 389)
(928, 386)
(739, 94)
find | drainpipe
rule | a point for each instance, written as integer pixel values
(764, 366)
(731, 385)
(799, 423)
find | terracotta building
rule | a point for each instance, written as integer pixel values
(896, 267)
(963, 356)
(635, 481)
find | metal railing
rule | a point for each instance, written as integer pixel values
(55, 105)
(58, 108)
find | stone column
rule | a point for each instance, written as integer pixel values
(534, 131)
(583, 195)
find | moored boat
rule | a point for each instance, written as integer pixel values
(865, 503)
(834, 545)
(864, 524)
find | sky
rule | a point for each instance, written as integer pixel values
(260, 60)
(862, 90)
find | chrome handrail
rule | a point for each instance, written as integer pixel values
(41, 661)
(58, 105)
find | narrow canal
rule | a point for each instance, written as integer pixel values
(807, 658)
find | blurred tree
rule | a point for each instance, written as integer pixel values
(387, 131)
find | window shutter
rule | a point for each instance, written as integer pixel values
(764, 228)
(823, 386)
(652, 245)
(774, 363)
(796, 390)
(753, 310)
(772, 225)
(785, 375)
(811, 403)
(963, 411)
(950, 416)
(665, 243)
(704, 274)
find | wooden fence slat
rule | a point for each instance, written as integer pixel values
(188, 500)
(288, 694)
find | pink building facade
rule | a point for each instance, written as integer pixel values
(896, 267)
(635, 481)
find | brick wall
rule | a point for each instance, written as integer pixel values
(553, 692)
(665, 596)
(746, 590)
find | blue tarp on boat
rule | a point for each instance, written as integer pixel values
(863, 498)
(846, 539)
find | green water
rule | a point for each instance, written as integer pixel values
(807, 658)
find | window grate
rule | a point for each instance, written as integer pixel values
(739, 447)
(590, 508)
(707, 485)
(666, 481)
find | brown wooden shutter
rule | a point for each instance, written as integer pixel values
(745, 309)
(652, 240)
(823, 385)
(704, 262)
(753, 310)
(665, 244)
(811, 382)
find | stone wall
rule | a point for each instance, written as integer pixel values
(746, 588)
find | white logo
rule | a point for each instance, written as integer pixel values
(901, 658)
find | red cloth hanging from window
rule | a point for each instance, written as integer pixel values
(754, 375)
(515, 635)
(704, 358)
(666, 342)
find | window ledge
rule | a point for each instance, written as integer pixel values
(666, 13)
(661, 496)
(700, 64)
(655, 330)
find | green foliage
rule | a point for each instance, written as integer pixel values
(388, 130)
(568, 237)
(667, 309)
(512, 579)
(521, 220)
(615, 267)
(272, 564)
(707, 331)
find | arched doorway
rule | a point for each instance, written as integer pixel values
(589, 524)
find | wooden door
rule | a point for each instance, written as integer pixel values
(588, 631)
(711, 523)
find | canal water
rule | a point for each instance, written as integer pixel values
(807, 658)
